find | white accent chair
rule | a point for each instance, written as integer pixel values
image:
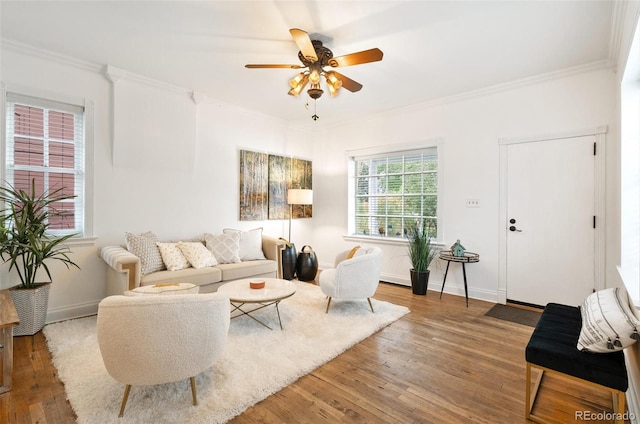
(151, 339)
(354, 278)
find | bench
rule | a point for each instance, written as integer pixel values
(552, 348)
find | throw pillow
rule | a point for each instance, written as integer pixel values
(172, 256)
(250, 243)
(225, 247)
(608, 323)
(362, 251)
(144, 246)
(352, 252)
(197, 254)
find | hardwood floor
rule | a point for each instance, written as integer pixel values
(441, 363)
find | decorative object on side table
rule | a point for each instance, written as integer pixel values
(467, 257)
(307, 264)
(457, 249)
(28, 247)
(421, 253)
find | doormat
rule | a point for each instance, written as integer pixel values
(514, 314)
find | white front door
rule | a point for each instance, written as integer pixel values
(550, 221)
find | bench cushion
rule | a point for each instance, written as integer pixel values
(553, 345)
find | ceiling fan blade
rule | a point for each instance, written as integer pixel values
(348, 83)
(365, 56)
(253, 66)
(304, 44)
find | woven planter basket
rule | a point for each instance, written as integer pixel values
(31, 305)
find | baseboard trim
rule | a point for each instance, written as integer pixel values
(78, 310)
(525, 304)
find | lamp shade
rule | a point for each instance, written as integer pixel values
(297, 196)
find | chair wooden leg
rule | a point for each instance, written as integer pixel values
(370, 305)
(124, 399)
(328, 303)
(193, 390)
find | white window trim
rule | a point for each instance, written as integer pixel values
(438, 143)
(89, 125)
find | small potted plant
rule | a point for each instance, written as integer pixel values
(27, 245)
(421, 253)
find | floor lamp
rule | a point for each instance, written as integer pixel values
(295, 196)
(298, 196)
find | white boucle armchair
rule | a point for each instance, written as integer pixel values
(354, 278)
(148, 340)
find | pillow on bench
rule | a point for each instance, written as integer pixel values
(608, 322)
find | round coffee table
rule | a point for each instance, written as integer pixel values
(240, 294)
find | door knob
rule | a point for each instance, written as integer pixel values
(513, 228)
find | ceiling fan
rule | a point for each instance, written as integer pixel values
(316, 57)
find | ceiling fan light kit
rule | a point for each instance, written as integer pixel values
(315, 56)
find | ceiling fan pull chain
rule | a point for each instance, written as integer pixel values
(315, 116)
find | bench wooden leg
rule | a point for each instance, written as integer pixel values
(531, 394)
(618, 397)
(618, 405)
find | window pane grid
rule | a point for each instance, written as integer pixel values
(46, 145)
(394, 194)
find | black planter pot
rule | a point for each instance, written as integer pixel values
(307, 264)
(419, 282)
(289, 258)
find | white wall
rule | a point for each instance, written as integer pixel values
(470, 127)
(145, 191)
(188, 200)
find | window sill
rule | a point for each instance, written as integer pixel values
(393, 241)
(81, 241)
(631, 282)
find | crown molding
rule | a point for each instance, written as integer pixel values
(511, 85)
(618, 12)
(112, 73)
(624, 21)
(115, 74)
(48, 55)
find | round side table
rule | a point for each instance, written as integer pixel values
(469, 257)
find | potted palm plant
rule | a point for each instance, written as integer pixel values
(28, 247)
(421, 253)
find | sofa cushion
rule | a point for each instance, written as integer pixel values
(250, 243)
(144, 247)
(197, 276)
(172, 256)
(225, 247)
(197, 254)
(247, 269)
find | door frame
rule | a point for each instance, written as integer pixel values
(600, 135)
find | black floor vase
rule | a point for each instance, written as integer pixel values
(307, 264)
(289, 257)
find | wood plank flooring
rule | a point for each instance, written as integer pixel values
(442, 363)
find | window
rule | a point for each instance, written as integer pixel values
(630, 172)
(395, 192)
(45, 144)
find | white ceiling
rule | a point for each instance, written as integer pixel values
(432, 49)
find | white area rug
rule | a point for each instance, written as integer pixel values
(257, 362)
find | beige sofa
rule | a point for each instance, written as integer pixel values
(123, 270)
